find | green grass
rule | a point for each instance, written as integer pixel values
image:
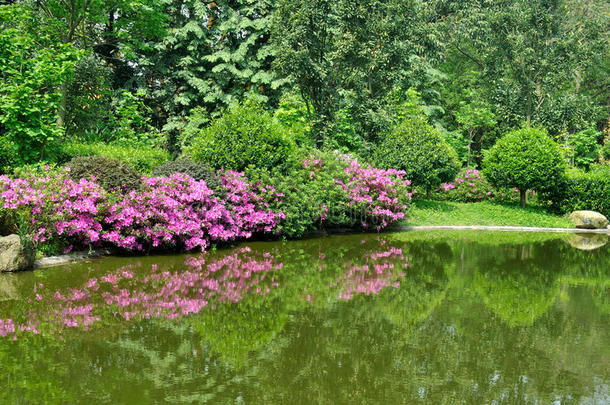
(426, 212)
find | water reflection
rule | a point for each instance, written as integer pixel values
(391, 318)
(132, 292)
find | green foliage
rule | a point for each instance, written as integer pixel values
(89, 97)
(419, 150)
(343, 136)
(533, 61)
(605, 150)
(198, 171)
(32, 70)
(110, 173)
(527, 159)
(131, 121)
(7, 154)
(211, 55)
(38, 169)
(474, 119)
(585, 149)
(244, 135)
(141, 158)
(583, 191)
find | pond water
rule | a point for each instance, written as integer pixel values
(415, 317)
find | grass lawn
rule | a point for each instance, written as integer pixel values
(427, 212)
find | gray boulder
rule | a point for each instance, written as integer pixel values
(14, 256)
(588, 220)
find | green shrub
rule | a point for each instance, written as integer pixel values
(198, 171)
(307, 193)
(419, 150)
(143, 159)
(527, 159)
(244, 135)
(40, 169)
(110, 173)
(583, 191)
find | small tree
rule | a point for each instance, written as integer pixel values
(527, 159)
(419, 150)
(474, 119)
(585, 150)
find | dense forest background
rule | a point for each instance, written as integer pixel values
(334, 73)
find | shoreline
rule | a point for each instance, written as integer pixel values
(499, 228)
(59, 260)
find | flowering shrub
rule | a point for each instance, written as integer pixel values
(179, 211)
(326, 189)
(468, 186)
(167, 212)
(54, 206)
(382, 196)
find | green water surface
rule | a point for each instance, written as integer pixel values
(395, 318)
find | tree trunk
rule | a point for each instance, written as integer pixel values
(61, 112)
(523, 195)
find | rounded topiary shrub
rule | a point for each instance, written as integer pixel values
(419, 150)
(198, 171)
(110, 173)
(527, 159)
(244, 135)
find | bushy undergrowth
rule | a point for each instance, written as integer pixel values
(329, 190)
(143, 159)
(583, 191)
(7, 154)
(110, 173)
(68, 207)
(198, 171)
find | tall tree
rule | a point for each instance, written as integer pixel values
(214, 52)
(531, 56)
(341, 53)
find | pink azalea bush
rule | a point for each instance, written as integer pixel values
(382, 196)
(468, 186)
(55, 207)
(179, 211)
(168, 212)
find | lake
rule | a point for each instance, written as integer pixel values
(392, 318)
